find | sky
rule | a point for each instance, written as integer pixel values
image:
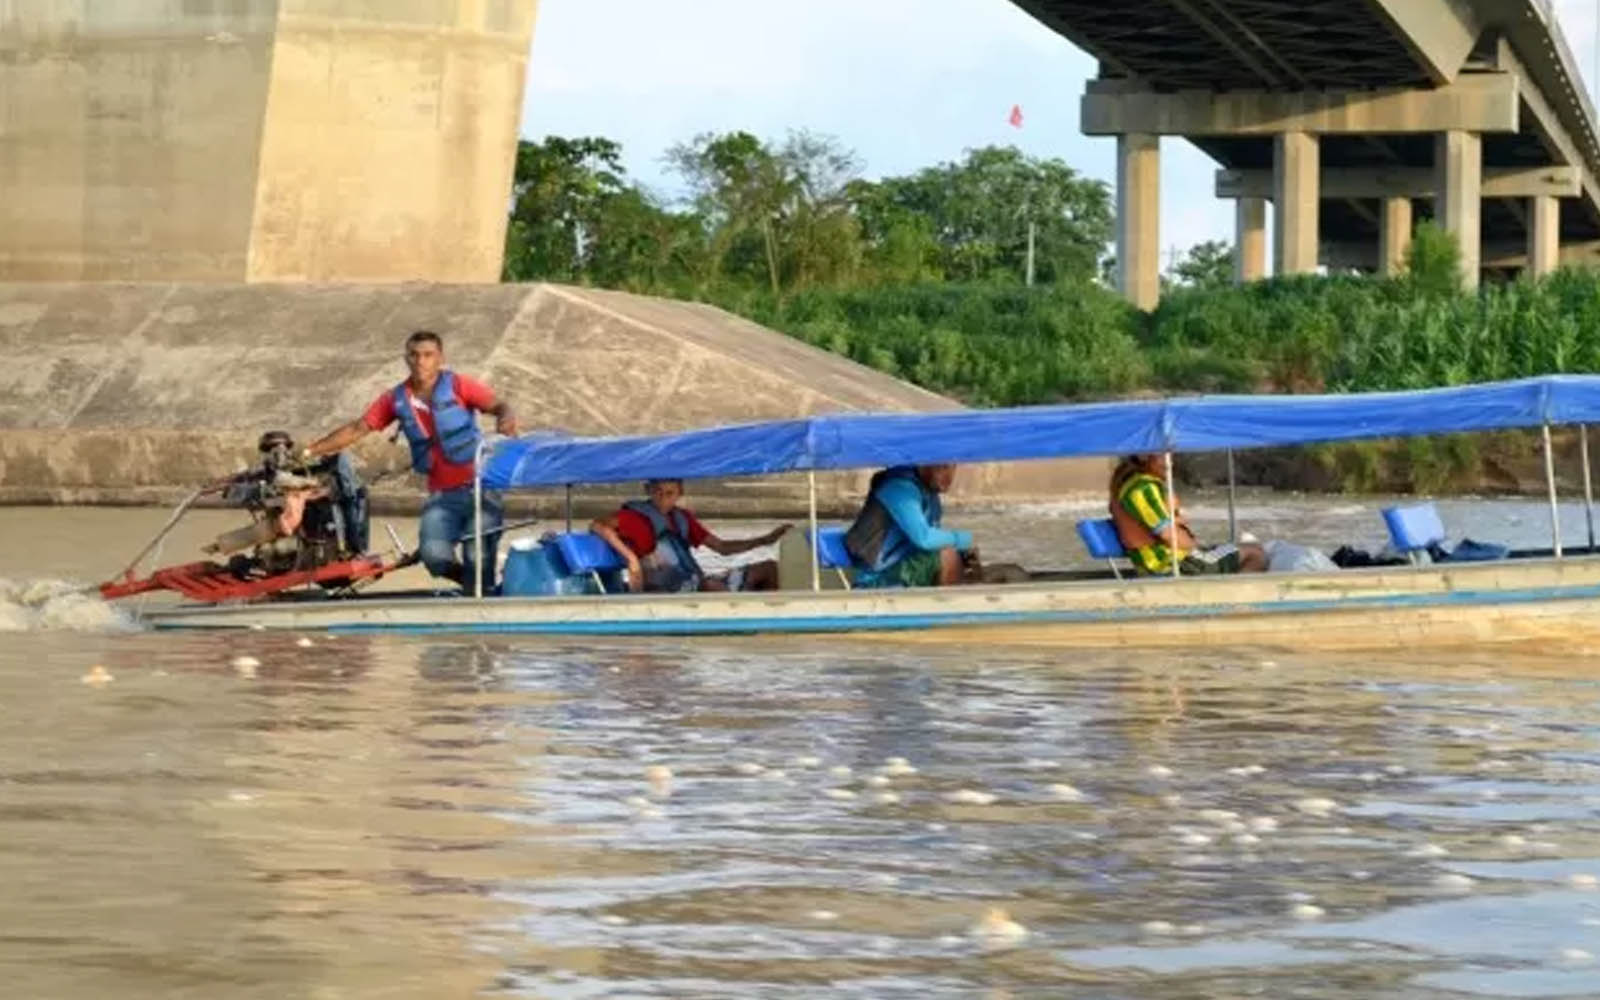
(905, 83)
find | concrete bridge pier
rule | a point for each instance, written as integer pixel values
(1394, 236)
(1458, 159)
(1250, 240)
(1544, 234)
(1296, 178)
(1139, 218)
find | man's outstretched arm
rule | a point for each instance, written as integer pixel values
(339, 439)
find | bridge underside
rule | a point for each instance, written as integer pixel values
(1356, 117)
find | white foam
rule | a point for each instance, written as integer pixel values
(1157, 928)
(1066, 793)
(971, 797)
(1308, 911)
(1453, 882)
(996, 929)
(56, 605)
(1316, 806)
(1158, 771)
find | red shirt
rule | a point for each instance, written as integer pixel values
(641, 538)
(443, 474)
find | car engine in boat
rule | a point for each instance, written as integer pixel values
(304, 515)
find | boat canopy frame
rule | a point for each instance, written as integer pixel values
(1173, 425)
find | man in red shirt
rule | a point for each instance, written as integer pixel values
(436, 409)
(657, 538)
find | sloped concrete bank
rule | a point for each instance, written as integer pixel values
(135, 393)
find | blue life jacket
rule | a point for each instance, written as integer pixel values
(674, 569)
(875, 542)
(456, 427)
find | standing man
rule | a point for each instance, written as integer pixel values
(436, 409)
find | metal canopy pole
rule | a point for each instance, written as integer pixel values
(1233, 519)
(1588, 482)
(1172, 518)
(477, 522)
(1550, 484)
(816, 567)
(569, 508)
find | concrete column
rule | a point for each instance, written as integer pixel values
(1394, 236)
(1250, 240)
(1458, 159)
(1544, 235)
(1295, 182)
(1139, 218)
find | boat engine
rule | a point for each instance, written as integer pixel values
(304, 515)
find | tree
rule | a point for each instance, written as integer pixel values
(774, 214)
(979, 211)
(1204, 265)
(559, 193)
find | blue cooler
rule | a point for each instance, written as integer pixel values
(531, 570)
(536, 569)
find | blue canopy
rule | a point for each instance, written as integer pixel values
(1197, 423)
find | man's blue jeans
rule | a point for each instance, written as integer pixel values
(447, 518)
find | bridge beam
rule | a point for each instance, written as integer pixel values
(1439, 33)
(1476, 102)
(1409, 182)
(1496, 254)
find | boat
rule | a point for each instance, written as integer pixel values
(1548, 596)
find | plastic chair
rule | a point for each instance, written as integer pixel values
(831, 551)
(1099, 536)
(1412, 529)
(586, 552)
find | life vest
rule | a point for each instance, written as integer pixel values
(1148, 551)
(671, 566)
(874, 541)
(454, 424)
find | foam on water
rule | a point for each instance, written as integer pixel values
(39, 605)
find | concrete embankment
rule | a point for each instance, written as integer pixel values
(134, 393)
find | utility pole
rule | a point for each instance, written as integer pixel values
(1030, 250)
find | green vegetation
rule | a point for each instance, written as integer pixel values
(923, 276)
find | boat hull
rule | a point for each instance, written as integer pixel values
(1546, 600)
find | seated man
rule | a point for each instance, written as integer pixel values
(896, 540)
(1147, 524)
(656, 538)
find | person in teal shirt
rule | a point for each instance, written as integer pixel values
(897, 541)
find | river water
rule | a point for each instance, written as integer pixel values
(414, 817)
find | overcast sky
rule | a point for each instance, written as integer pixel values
(905, 83)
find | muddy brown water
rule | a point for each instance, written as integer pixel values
(413, 817)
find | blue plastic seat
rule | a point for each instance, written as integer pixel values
(831, 551)
(1412, 529)
(586, 552)
(1099, 536)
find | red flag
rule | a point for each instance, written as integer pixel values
(1016, 116)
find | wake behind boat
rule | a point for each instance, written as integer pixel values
(1551, 595)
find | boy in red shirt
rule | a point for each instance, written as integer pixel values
(657, 538)
(436, 410)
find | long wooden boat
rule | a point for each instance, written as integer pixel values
(1545, 597)
(1545, 600)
